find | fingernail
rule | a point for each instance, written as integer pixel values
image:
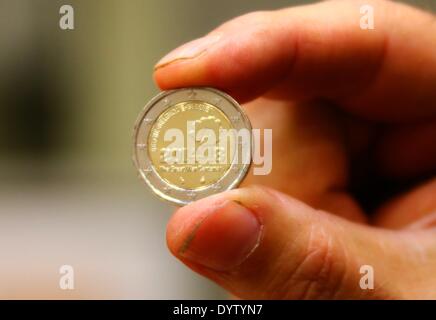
(189, 50)
(224, 239)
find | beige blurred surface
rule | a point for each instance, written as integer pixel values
(68, 190)
(113, 236)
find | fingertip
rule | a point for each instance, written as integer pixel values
(179, 74)
(185, 220)
(233, 62)
(218, 235)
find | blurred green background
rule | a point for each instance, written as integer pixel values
(69, 193)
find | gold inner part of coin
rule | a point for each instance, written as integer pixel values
(189, 118)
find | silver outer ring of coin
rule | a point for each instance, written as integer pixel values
(153, 109)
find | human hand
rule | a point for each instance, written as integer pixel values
(346, 106)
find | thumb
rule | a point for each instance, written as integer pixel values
(259, 243)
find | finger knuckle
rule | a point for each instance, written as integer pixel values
(320, 269)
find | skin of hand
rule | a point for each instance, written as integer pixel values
(332, 93)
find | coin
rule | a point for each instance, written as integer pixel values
(190, 143)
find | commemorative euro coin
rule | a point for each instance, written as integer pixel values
(190, 143)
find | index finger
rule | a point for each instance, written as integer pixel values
(319, 51)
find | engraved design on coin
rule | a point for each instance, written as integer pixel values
(189, 144)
